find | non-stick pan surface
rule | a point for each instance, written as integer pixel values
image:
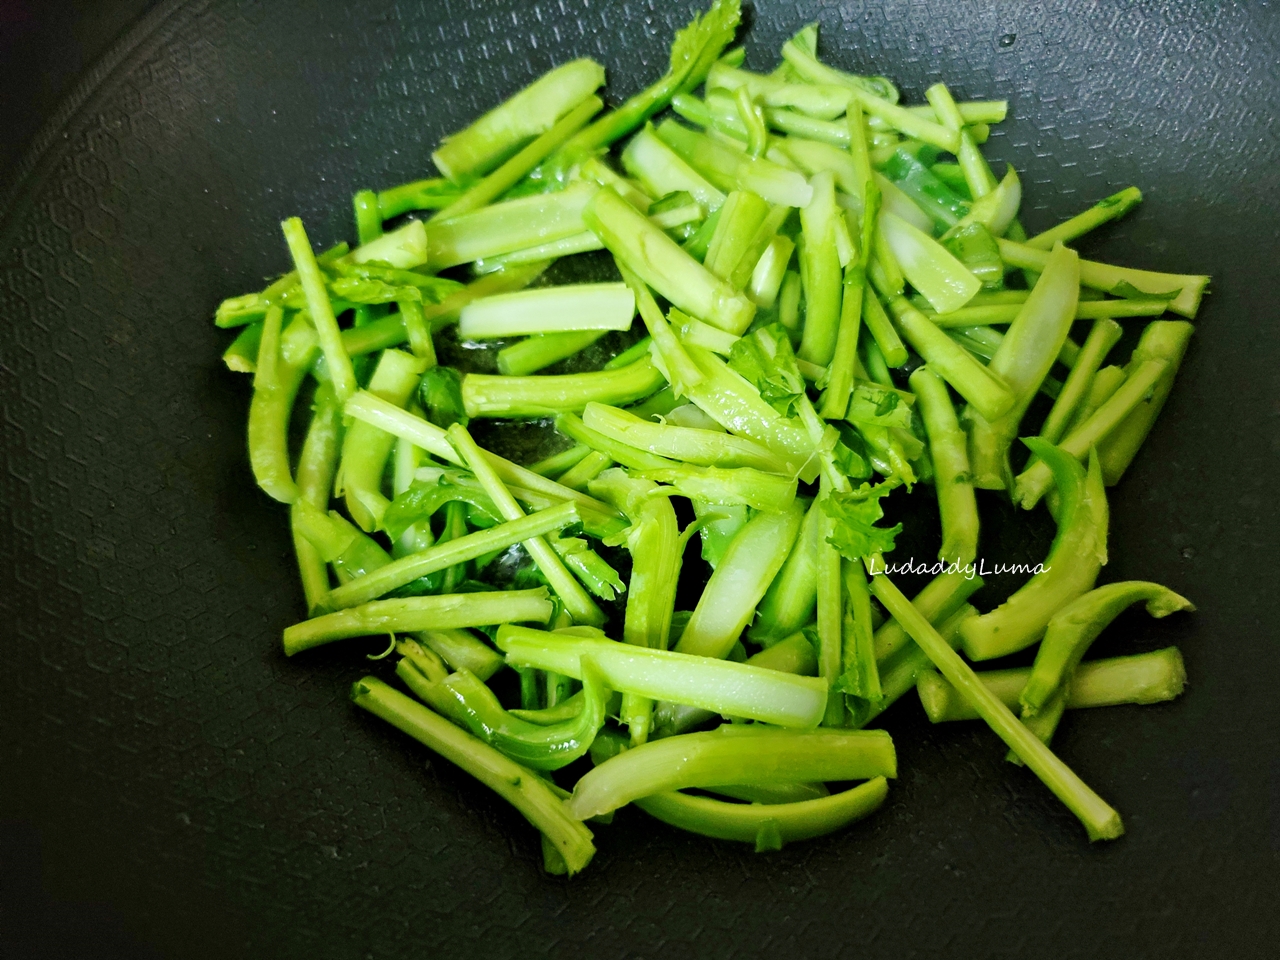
(225, 801)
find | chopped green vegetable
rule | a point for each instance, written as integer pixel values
(1142, 678)
(1077, 554)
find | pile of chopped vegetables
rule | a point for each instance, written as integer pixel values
(836, 300)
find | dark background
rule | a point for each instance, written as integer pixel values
(171, 786)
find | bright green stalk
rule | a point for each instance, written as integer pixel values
(873, 362)
(997, 313)
(510, 278)
(1102, 337)
(726, 486)
(696, 333)
(800, 52)
(1162, 340)
(769, 271)
(1034, 482)
(722, 686)
(729, 600)
(795, 655)
(368, 228)
(1099, 819)
(937, 601)
(558, 463)
(881, 328)
(953, 480)
(533, 111)
(768, 826)
(401, 249)
(1074, 628)
(464, 699)
(753, 120)
(485, 395)
(1142, 678)
(365, 448)
(508, 226)
(587, 469)
(538, 352)
(432, 194)
(741, 218)
(660, 170)
(942, 206)
(520, 787)
(659, 261)
(642, 347)
(589, 567)
(731, 169)
(580, 606)
(693, 52)
(1104, 211)
(608, 444)
(898, 674)
(563, 709)
(910, 124)
(599, 171)
(820, 270)
(984, 391)
(534, 489)
(378, 334)
(732, 756)
(829, 594)
(718, 112)
(1111, 279)
(251, 307)
(316, 466)
(928, 266)
(977, 174)
(275, 386)
(825, 101)
(1022, 361)
(309, 275)
(729, 400)
(418, 331)
(814, 156)
(995, 210)
(510, 173)
(242, 355)
(720, 524)
(419, 613)
(443, 555)
(679, 369)
(656, 555)
(582, 306)
(789, 602)
(789, 303)
(859, 675)
(690, 444)
(583, 242)
(338, 542)
(461, 650)
(1078, 553)
(894, 200)
(1105, 383)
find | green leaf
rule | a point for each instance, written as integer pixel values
(424, 497)
(441, 395)
(365, 290)
(850, 453)
(765, 359)
(855, 514)
(887, 404)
